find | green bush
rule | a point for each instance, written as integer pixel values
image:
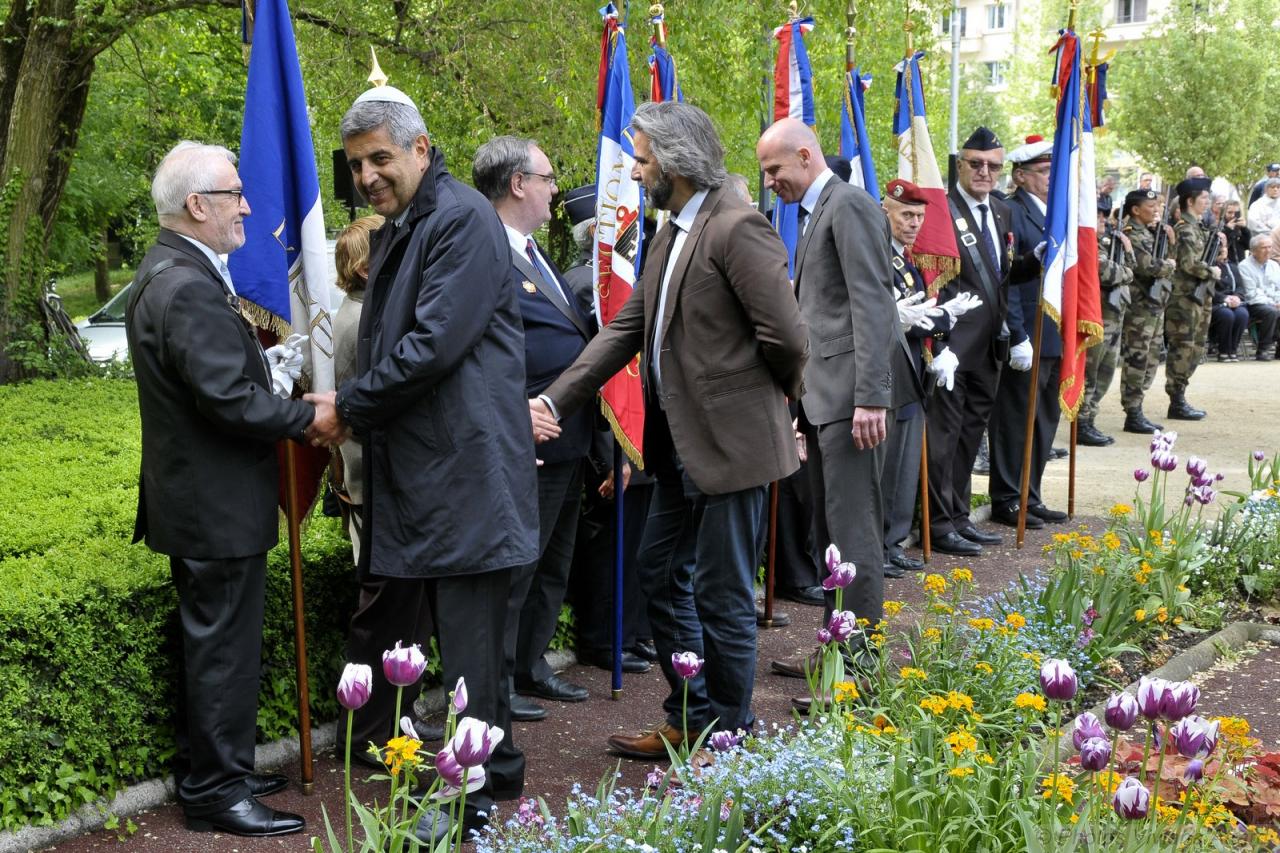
(87, 621)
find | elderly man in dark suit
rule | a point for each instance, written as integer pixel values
(722, 346)
(1007, 429)
(958, 416)
(207, 493)
(516, 176)
(860, 370)
(440, 408)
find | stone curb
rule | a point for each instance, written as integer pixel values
(1183, 665)
(154, 793)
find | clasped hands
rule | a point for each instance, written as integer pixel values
(327, 428)
(916, 311)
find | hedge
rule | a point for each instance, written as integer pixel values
(87, 621)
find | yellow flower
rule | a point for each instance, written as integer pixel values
(986, 759)
(1075, 818)
(1034, 657)
(983, 666)
(845, 691)
(962, 575)
(399, 750)
(960, 772)
(935, 584)
(892, 608)
(1233, 726)
(982, 624)
(1099, 571)
(931, 634)
(961, 741)
(1061, 785)
(1034, 701)
(1162, 615)
(909, 672)
(1016, 621)
(943, 608)
(1120, 510)
(934, 704)
(1109, 780)
(1111, 540)
(1139, 614)
(960, 701)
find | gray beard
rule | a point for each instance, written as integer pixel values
(660, 195)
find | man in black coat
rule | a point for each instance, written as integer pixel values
(958, 417)
(1008, 427)
(207, 493)
(450, 505)
(516, 176)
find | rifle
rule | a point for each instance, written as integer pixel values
(1161, 249)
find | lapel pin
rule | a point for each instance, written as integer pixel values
(530, 287)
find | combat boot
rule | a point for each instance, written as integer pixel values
(1136, 421)
(1181, 410)
(1090, 436)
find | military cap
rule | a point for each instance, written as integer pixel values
(1036, 150)
(905, 192)
(842, 168)
(982, 139)
(1192, 187)
(580, 203)
(1137, 197)
(1273, 167)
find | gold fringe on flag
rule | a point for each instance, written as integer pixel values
(633, 453)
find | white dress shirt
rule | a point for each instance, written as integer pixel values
(219, 263)
(520, 245)
(989, 224)
(810, 199)
(1261, 282)
(681, 222)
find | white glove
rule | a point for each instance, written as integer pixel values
(943, 367)
(285, 361)
(1039, 250)
(1020, 356)
(914, 310)
(961, 304)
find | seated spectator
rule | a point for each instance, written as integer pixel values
(1261, 277)
(1273, 171)
(1264, 214)
(1230, 316)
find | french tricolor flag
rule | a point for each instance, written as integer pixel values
(855, 145)
(1071, 292)
(792, 98)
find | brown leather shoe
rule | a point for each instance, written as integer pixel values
(804, 704)
(797, 668)
(647, 745)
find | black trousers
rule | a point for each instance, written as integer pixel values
(796, 562)
(220, 604)
(591, 582)
(538, 589)
(957, 419)
(1266, 317)
(1007, 432)
(470, 613)
(900, 480)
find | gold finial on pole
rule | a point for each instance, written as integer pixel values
(1071, 15)
(656, 13)
(793, 10)
(376, 75)
(850, 35)
(908, 27)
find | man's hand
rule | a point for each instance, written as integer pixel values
(1020, 356)
(1124, 241)
(1233, 301)
(868, 427)
(1166, 268)
(914, 310)
(606, 488)
(961, 304)
(326, 428)
(1215, 273)
(545, 427)
(943, 366)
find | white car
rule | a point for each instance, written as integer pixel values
(103, 330)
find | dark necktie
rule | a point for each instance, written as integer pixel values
(802, 221)
(986, 239)
(543, 271)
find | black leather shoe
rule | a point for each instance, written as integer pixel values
(553, 687)
(266, 784)
(1136, 421)
(907, 564)
(1058, 453)
(645, 649)
(802, 595)
(249, 818)
(1090, 436)
(1181, 410)
(780, 619)
(973, 534)
(1009, 515)
(982, 464)
(434, 825)
(954, 543)
(892, 572)
(631, 662)
(1050, 516)
(526, 710)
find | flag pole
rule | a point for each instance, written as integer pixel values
(291, 503)
(1032, 400)
(619, 550)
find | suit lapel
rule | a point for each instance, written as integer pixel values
(549, 291)
(681, 263)
(818, 209)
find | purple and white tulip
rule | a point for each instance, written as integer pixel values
(403, 666)
(1058, 680)
(474, 741)
(1150, 694)
(1194, 736)
(1121, 711)
(355, 686)
(1179, 700)
(686, 664)
(1095, 754)
(1132, 800)
(1086, 727)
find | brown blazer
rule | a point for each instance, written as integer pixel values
(733, 348)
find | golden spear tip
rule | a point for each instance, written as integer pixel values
(793, 9)
(376, 75)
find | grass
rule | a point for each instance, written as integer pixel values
(76, 290)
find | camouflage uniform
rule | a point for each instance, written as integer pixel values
(1186, 319)
(1100, 364)
(1143, 320)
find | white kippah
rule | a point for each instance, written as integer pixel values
(387, 94)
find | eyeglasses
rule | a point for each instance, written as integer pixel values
(980, 165)
(551, 179)
(236, 195)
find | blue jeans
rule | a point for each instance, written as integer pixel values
(697, 564)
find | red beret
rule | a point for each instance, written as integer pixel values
(905, 192)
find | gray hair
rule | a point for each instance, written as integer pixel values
(582, 234)
(1273, 182)
(1259, 239)
(404, 123)
(497, 162)
(740, 186)
(185, 170)
(683, 141)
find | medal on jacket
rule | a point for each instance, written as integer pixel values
(530, 287)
